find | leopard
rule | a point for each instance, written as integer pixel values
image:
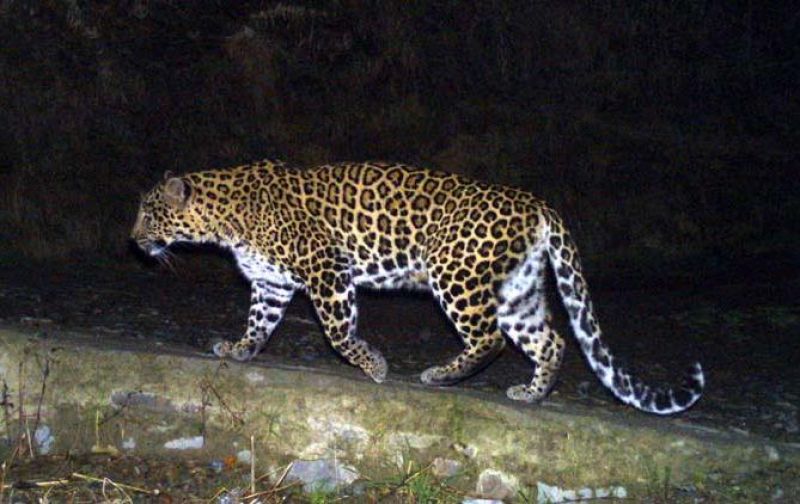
(482, 250)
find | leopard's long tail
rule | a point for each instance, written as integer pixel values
(575, 296)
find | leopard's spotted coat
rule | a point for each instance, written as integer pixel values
(481, 249)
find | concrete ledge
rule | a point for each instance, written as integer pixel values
(101, 395)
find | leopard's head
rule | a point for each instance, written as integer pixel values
(166, 215)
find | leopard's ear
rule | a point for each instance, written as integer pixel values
(177, 192)
(168, 175)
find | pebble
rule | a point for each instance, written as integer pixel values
(468, 451)
(244, 456)
(772, 453)
(231, 497)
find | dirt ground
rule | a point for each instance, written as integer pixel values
(746, 334)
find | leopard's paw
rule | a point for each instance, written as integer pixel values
(376, 368)
(243, 351)
(438, 376)
(222, 348)
(523, 393)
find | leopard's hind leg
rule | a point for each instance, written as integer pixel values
(525, 318)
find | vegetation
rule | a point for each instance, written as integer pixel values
(660, 130)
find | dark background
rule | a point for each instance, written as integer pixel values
(665, 132)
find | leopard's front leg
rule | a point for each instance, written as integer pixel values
(268, 302)
(334, 296)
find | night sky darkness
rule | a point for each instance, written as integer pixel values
(665, 133)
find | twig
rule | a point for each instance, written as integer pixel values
(410, 477)
(28, 434)
(5, 402)
(132, 488)
(36, 484)
(20, 406)
(252, 464)
(118, 487)
(97, 427)
(40, 400)
(219, 492)
(236, 416)
(283, 475)
(272, 490)
(276, 487)
(8, 462)
(266, 474)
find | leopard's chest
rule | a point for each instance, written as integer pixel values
(256, 267)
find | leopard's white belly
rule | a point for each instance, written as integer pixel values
(406, 278)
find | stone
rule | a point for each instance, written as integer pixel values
(142, 400)
(255, 377)
(445, 468)
(399, 443)
(495, 484)
(186, 443)
(334, 431)
(324, 475)
(554, 495)
(44, 439)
